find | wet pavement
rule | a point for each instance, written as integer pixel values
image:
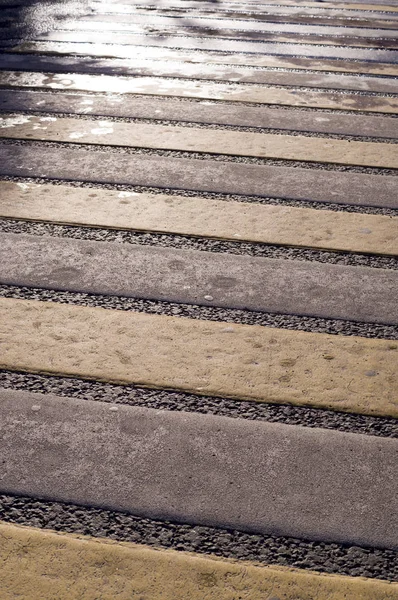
(198, 240)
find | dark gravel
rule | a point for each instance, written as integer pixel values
(183, 401)
(292, 552)
(196, 243)
(207, 313)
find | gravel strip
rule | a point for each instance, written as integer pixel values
(206, 313)
(182, 242)
(186, 402)
(292, 552)
(200, 156)
(371, 210)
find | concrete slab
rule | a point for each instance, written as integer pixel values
(202, 43)
(255, 60)
(249, 12)
(205, 278)
(352, 374)
(270, 224)
(205, 111)
(283, 7)
(353, 43)
(196, 89)
(193, 19)
(189, 139)
(202, 175)
(157, 68)
(40, 563)
(202, 469)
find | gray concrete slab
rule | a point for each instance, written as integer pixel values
(205, 278)
(199, 112)
(270, 9)
(203, 90)
(316, 185)
(192, 19)
(206, 470)
(104, 50)
(172, 40)
(254, 14)
(142, 67)
(157, 136)
(107, 26)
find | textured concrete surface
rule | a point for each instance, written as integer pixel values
(202, 469)
(173, 137)
(39, 564)
(287, 7)
(270, 224)
(361, 375)
(191, 89)
(255, 60)
(218, 359)
(131, 395)
(321, 557)
(189, 276)
(202, 21)
(357, 189)
(223, 73)
(251, 12)
(95, 32)
(378, 126)
(113, 23)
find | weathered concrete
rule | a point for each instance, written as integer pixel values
(188, 139)
(191, 276)
(267, 223)
(251, 362)
(202, 175)
(296, 7)
(144, 67)
(172, 40)
(189, 56)
(39, 564)
(201, 112)
(187, 88)
(201, 21)
(123, 24)
(251, 13)
(260, 477)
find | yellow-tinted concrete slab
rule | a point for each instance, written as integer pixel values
(242, 143)
(203, 217)
(206, 357)
(38, 564)
(195, 89)
(255, 60)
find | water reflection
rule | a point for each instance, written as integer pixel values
(24, 19)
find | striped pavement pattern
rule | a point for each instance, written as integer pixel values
(198, 202)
